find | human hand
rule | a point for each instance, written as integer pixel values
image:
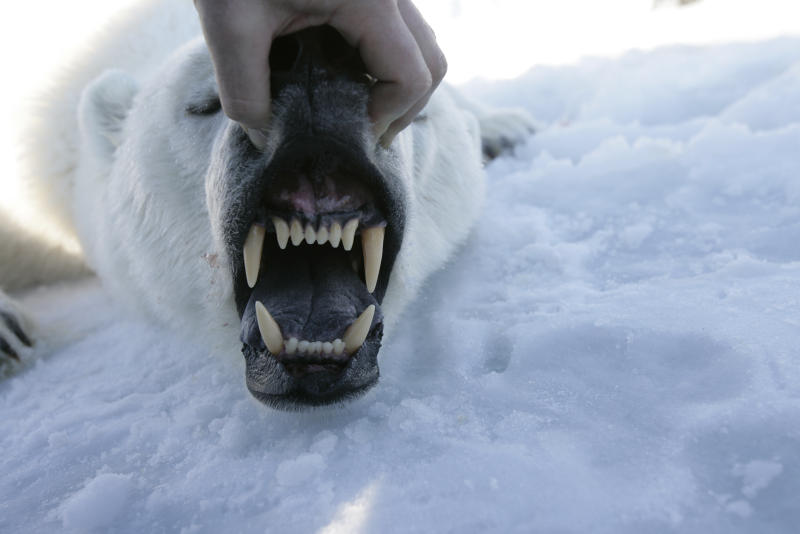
(396, 44)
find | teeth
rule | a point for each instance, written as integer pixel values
(296, 232)
(336, 234)
(313, 348)
(356, 333)
(253, 246)
(349, 233)
(372, 245)
(270, 332)
(282, 231)
(322, 236)
(311, 235)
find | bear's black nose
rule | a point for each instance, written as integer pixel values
(313, 52)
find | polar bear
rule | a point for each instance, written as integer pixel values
(301, 254)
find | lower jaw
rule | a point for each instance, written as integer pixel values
(269, 380)
(299, 399)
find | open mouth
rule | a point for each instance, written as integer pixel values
(312, 269)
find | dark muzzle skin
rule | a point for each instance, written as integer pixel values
(319, 168)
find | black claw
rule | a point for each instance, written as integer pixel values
(13, 324)
(5, 348)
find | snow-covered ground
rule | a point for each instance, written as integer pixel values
(616, 349)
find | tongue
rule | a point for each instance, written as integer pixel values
(313, 293)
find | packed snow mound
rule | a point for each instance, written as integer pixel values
(615, 350)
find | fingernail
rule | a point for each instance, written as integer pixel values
(257, 137)
(386, 135)
(386, 140)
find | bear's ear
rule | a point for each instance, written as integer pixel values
(104, 105)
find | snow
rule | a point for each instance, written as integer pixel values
(98, 503)
(614, 350)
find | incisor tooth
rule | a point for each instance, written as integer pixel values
(327, 347)
(270, 331)
(282, 231)
(349, 233)
(291, 345)
(317, 347)
(338, 346)
(357, 332)
(296, 232)
(253, 246)
(322, 236)
(311, 235)
(372, 245)
(302, 347)
(336, 234)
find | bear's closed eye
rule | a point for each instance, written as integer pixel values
(204, 107)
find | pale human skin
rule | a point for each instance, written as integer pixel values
(397, 46)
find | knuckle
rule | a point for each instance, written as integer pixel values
(420, 83)
(439, 68)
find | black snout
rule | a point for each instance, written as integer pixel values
(318, 168)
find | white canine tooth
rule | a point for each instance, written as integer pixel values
(296, 232)
(335, 235)
(282, 231)
(270, 331)
(372, 245)
(327, 347)
(356, 333)
(322, 236)
(349, 233)
(302, 347)
(311, 235)
(253, 246)
(291, 345)
(338, 346)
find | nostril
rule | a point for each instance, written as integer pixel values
(284, 54)
(316, 51)
(334, 48)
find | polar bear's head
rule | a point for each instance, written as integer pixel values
(294, 247)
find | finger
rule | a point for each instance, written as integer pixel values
(434, 59)
(390, 54)
(239, 35)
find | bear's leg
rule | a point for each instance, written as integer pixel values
(26, 261)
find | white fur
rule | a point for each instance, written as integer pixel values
(131, 186)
